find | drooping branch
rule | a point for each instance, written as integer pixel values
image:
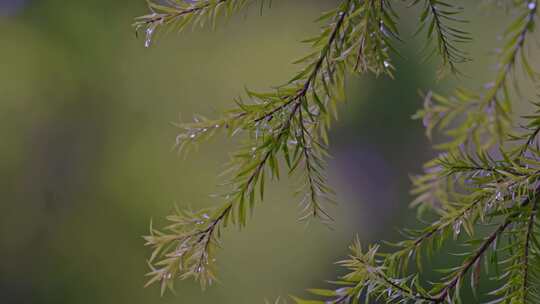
(289, 125)
(438, 19)
(177, 14)
(518, 33)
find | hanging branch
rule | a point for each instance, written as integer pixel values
(289, 124)
(438, 19)
(487, 117)
(178, 14)
(465, 186)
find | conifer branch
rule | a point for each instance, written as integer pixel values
(177, 14)
(487, 117)
(526, 253)
(517, 32)
(465, 186)
(457, 278)
(276, 120)
(368, 279)
(437, 18)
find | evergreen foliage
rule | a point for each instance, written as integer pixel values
(486, 175)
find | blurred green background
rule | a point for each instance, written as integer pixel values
(86, 156)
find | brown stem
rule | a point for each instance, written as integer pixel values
(528, 237)
(441, 297)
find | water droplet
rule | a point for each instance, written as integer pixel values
(531, 5)
(192, 136)
(457, 227)
(205, 216)
(386, 64)
(149, 33)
